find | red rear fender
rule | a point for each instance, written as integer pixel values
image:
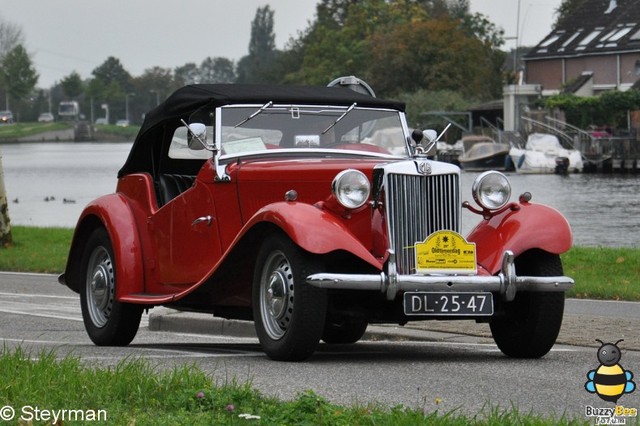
(532, 226)
(114, 214)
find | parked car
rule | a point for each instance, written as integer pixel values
(45, 117)
(312, 211)
(122, 123)
(6, 117)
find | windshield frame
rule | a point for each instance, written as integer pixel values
(336, 111)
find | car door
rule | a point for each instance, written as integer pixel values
(186, 237)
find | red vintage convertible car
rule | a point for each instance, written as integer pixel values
(312, 211)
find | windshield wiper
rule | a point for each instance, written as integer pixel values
(262, 108)
(353, 105)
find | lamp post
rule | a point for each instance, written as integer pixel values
(126, 105)
(105, 107)
(157, 96)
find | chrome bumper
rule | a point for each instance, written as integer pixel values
(506, 283)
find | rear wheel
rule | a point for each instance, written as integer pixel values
(289, 314)
(531, 323)
(107, 321)
(344, 331)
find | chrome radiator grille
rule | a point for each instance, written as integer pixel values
(418, 206)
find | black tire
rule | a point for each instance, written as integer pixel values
(107, 321)
(289, 314)
(344, 331)
(531, 323)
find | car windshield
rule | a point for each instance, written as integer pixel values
(247, 129)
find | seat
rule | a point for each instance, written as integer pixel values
(172, 185)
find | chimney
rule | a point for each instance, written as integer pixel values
(612, 5)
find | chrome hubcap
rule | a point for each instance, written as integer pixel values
(276, 295)
(100, 286)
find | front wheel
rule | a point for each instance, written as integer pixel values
(107, 321)
(289, 314)
(531, 322)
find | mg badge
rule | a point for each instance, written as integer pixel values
(424, 168)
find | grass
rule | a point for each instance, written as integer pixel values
(13, 132)
(19, 130)
(36, 250)
(604, 273)
(133, 392)
(599, 272)
(129, 132)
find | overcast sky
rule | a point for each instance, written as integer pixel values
(79, 35)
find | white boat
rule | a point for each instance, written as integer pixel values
(543, 153)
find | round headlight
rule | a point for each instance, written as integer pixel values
(351, 188)
(491, 190)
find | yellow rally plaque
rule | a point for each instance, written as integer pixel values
(445, 252)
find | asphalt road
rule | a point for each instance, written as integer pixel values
(442, 371)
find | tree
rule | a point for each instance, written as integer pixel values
(188, 74)
(72, 85)
(566, 9)
(111, 85)
(112, 70)
(6, 239)
(217, 70)
(339, 42)
(18, 75)
(256, 67)
(10, 37)
(152, 87)
(431, 55)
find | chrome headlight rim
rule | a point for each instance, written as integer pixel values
(491, 190)
(351, 188)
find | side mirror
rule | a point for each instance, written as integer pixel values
(430, 134)
(197, 136)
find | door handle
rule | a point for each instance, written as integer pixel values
(201, 219)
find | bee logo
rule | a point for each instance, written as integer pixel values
(609, 381)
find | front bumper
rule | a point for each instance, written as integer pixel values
(505, 283)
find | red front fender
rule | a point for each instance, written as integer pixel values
(114, 214)
(315, 230)
(531, 226)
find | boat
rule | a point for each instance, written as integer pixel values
(543, 153)
(480, 153)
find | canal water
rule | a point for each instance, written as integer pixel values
(48, 184)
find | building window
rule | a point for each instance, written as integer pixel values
(588, 39)
(638, 67)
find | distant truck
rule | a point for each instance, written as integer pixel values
(68, 111)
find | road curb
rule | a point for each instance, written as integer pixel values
(166, 319)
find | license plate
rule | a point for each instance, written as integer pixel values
(453, 304)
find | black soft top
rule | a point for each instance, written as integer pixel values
(184, 101)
